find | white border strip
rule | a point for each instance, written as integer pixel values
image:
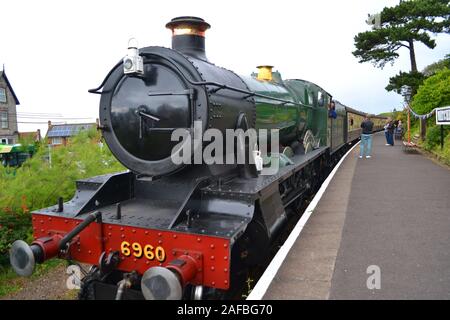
(264, 282)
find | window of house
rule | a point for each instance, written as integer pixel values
(4, 120)
(57, 140)
(4, 141)
(3, 95)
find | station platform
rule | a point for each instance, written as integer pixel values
(391, 211)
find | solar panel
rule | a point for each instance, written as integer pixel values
(67, 130)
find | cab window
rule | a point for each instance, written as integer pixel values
(321, 99)
(310, 98)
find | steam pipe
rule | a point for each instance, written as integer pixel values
(86, 222)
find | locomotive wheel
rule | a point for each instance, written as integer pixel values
(308, 141)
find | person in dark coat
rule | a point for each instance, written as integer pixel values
(386, 132)
(365, 147)
(391, 129)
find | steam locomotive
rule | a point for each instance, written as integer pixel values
(166, 230)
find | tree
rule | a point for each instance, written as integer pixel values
(37, 184)
(411, 79)
(434, 93)
(437, 66)
(400, 27)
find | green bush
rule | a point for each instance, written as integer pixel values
(42, 179)
(434, 93)
(433, 138)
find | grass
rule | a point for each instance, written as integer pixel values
(441, 156)
(71, 295)
(10, 282)
(393, 114)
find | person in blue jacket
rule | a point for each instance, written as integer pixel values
(332, 110)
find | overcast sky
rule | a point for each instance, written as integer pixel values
(54, 51)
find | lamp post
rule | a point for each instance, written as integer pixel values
(406, 93)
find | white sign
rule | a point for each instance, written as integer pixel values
(443, 116)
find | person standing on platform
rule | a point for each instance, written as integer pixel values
(399, 130)
(400, 126)
(386, 132)
(365, 147)
(391, 129)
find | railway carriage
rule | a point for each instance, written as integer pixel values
(338, 136)
(378, 122)
(354, 119)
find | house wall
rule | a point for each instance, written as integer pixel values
(64, 141)
(11, 133)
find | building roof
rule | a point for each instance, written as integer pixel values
(68, 130)
(3, 75)
(35, 135)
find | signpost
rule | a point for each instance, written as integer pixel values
(406, 93)
(442, 119)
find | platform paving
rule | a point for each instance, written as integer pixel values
(391, 211)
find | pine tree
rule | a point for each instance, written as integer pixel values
(401, 27)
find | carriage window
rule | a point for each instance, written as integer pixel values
(351, 121)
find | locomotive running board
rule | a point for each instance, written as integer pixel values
(96, 192)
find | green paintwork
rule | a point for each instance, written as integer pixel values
(317, 116)
(272, 114)
(293, 120)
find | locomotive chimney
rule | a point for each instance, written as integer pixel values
(188, 36)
